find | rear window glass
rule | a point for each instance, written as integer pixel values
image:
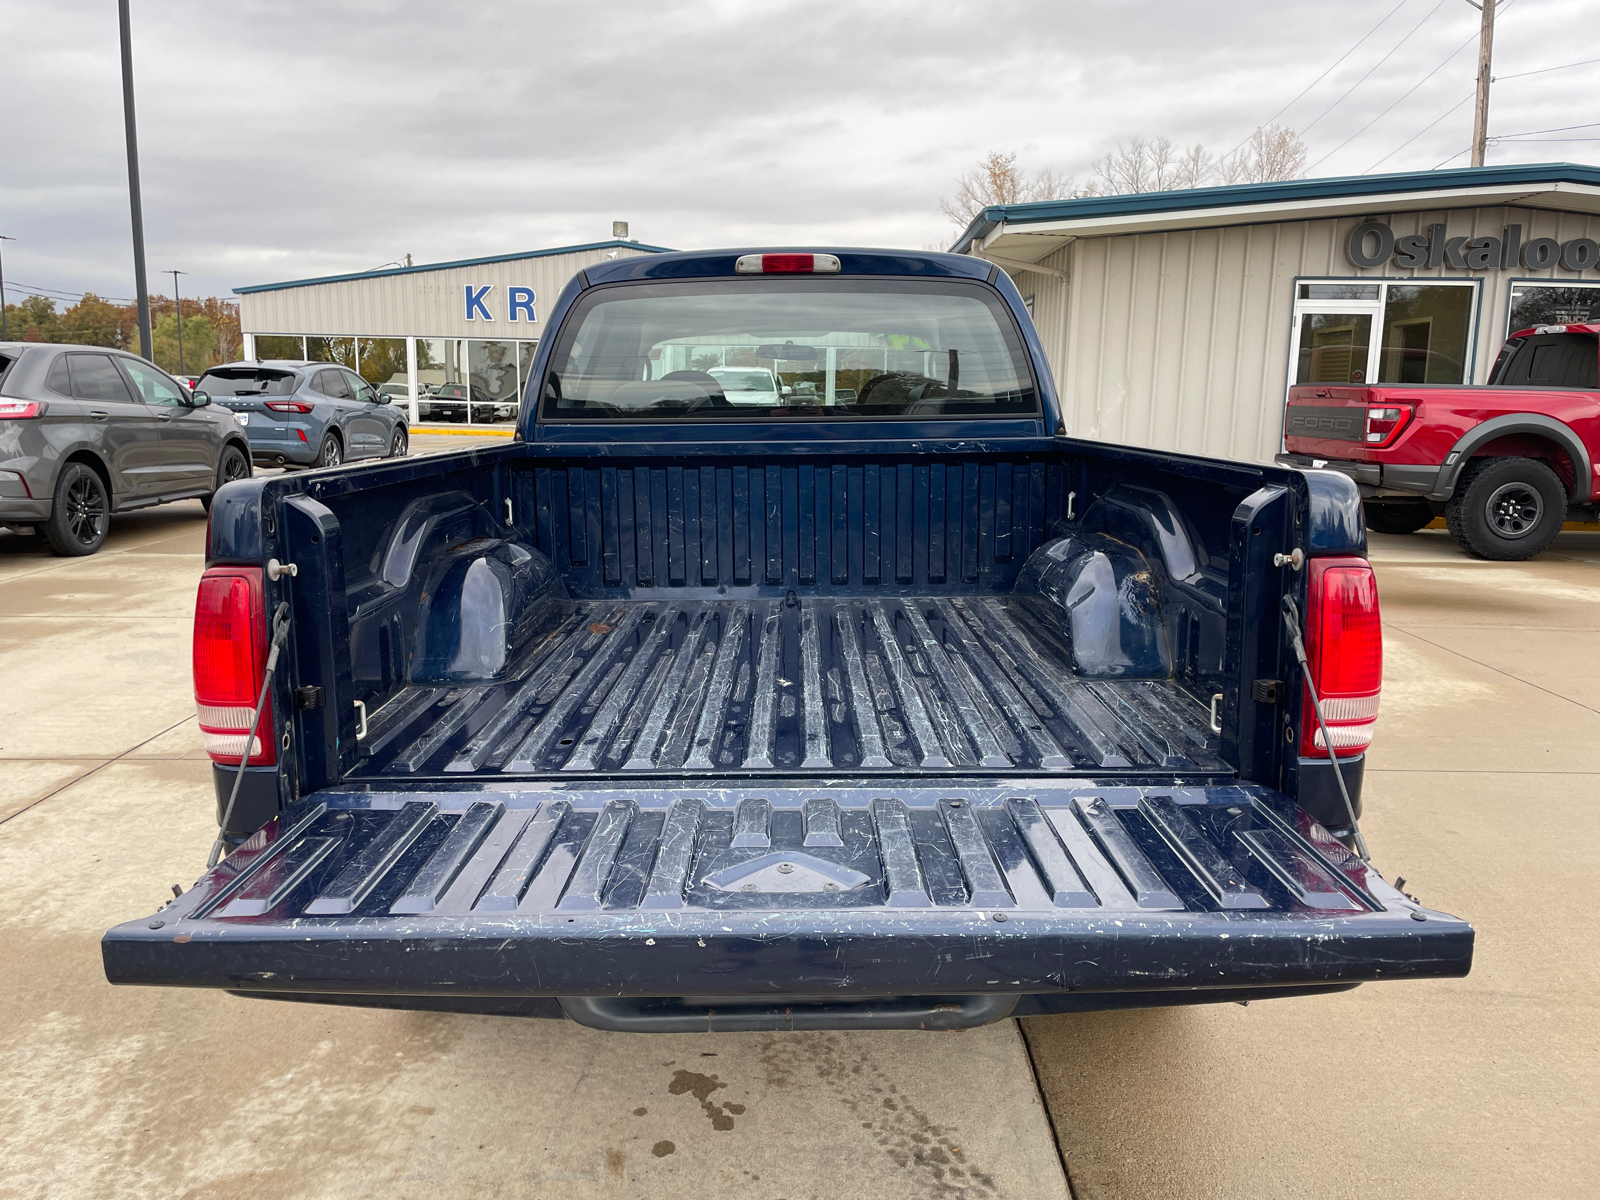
(246, 381)
(1549, 360)
(787, 349)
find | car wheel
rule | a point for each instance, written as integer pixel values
(401, 444)
(1397, 516)
(80, 513)
(1507, 509)
(332, 452)
(232, 465)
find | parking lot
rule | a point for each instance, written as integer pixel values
(1480, 791)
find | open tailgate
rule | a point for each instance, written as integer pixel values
(819, 892)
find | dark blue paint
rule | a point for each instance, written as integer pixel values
(1334, 520)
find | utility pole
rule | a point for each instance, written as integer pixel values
(1480, 118)
(141, 290)
(178, 302)
(4, 332)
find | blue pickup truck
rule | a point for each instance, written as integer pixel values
(882, 703)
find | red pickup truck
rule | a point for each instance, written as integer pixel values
(1505, 464)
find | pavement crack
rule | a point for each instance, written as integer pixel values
(96, 770)
(1491, 667)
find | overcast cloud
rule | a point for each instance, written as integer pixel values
(285, 140)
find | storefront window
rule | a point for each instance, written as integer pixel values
(492, 374)
(381, 360)
(1425, 332)
(1553, 304)
(341, 350)
(277, 345)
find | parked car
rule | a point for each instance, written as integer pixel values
(747, 385)
(450, 402)
(398, 393)
(308, 414)
(669, 716)
(86, 432)
(1505, 464)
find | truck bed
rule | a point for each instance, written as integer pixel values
(947, 684)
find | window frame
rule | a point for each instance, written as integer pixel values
(1376, 309)
(1512, 285)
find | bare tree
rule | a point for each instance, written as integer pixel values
(998, 180)
(1271, 153)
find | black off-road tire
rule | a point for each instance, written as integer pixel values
(400, 445)
(332, 452)
(1397, 516)
(80, 512)
(1506, 509)
(230, 466)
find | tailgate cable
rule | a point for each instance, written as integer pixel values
(1291, 621)
(280, 634)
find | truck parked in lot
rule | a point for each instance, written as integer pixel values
(1505, 464)
(901, 710)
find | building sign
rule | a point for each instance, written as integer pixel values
(1372, 244)
(519, 303)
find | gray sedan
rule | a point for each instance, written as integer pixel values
(86, 431)
(307, 414)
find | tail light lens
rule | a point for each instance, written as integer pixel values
(1344, 645)
(1383, 424)
(294, 406)
(230, 660)
(18, 410)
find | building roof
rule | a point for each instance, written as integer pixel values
(1028, 232)
(615, 244)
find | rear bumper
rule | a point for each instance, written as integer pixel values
(611, 894)
(24, 512)
(1378, 479)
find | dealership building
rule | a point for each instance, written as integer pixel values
(1176, 320)
(467, 327)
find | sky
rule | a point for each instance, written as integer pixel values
(287, 140)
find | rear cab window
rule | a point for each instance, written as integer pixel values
(1569, 359)
(247, 381)
(788, 349)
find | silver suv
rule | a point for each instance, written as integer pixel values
(86, 431)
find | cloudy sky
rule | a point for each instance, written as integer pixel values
(285, 140)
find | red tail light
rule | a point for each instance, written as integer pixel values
(1384, 423)
(1344, 645)
(784, 264)
(230, 659)
(17, 410)
(294, 406)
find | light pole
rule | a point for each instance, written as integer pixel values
(179, 304)
(140, 288)
(4, 332)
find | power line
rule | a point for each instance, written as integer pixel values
(1393, 50)
(1558, 129)
(1419, 133)
(1542, 70)
(1323, 76)
(1391, 107)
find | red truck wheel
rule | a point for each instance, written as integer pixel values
(1507, 509)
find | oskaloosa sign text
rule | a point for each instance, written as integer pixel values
(1372, 243)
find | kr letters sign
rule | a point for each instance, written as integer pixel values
(519, 303)
(1372, 244)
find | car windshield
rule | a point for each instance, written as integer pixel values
(246, 381)
(788, 349)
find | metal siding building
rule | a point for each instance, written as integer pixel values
(1171, 319)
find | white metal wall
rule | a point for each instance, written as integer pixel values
(418, 303)
(1180, 340)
